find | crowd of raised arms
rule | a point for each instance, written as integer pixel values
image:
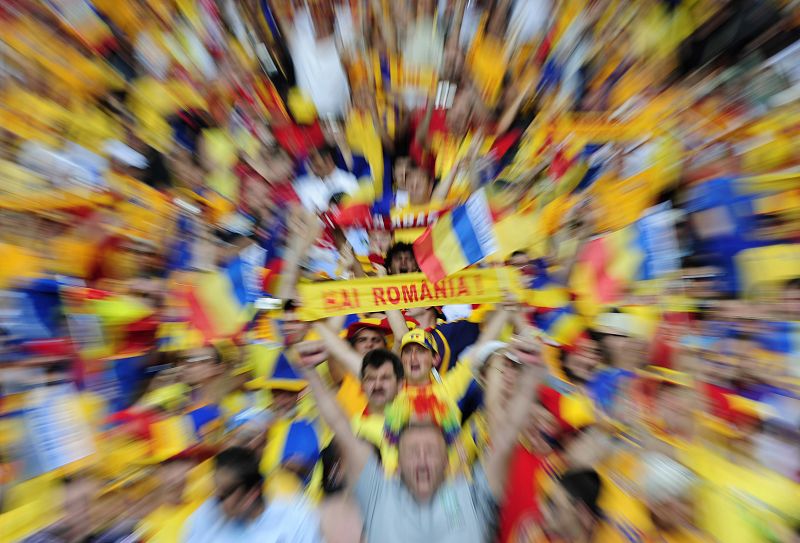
(400, 271)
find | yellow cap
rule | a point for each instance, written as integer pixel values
(421, 337)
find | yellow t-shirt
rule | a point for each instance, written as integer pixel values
(165, 524)
(351, 397)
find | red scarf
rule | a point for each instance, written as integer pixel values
(521, 499)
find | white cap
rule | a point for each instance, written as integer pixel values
(484, 352)
(624, 324)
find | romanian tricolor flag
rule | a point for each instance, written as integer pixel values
(606, 267)
(459, 239)
(562, 325)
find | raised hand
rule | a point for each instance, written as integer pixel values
(310, 354)
(528, 350)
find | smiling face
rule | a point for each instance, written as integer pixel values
(422, 460)
(583, 362)
(380, 386)
(368, 340)
(418, 362)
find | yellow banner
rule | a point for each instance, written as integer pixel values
(374, 294)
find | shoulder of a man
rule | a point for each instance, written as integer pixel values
(371, 487)
(482, 496)
(203, 517)
(293, 518)
(291, 511)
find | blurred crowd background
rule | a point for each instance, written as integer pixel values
(172, 170)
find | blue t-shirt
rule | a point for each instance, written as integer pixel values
(452, 338)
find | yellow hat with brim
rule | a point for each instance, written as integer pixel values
(420, 337)
(283, 378)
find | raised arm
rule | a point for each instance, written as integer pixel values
(504, 433)
(397, 322)
(304, 228)
(339, 348)
(355, 451)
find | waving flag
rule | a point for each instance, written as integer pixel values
(459, 239)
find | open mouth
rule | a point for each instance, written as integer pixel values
(422, 475)
(415, 368)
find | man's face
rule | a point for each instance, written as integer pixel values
(236, 503)
(509, 372)
(198, 365)
(403, 263)
(294, 330)
(368, 340)
(380, 386)
(417, 364)
(284, 401)
(519, 260)
(673, 514)
(585, 359)
(563, 519)
(320, 165)
(790, 302)
(173, 476)
(417, 313)
(422, 459)
(541, 424)
(380, 241)
(458, 116)
(419, 187)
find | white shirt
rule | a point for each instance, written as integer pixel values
(281, 522)
(315, 193)
(318, 68)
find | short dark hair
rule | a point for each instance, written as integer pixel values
(378, 357)
(422, 425)
(352, 340)
(327, 150)
(397, 249)
(602, 351)
(244, 464)
(583, 485)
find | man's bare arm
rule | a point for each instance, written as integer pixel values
(504, 433)
(355, 451)
(339, 348)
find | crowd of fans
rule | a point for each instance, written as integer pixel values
(185, 183)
